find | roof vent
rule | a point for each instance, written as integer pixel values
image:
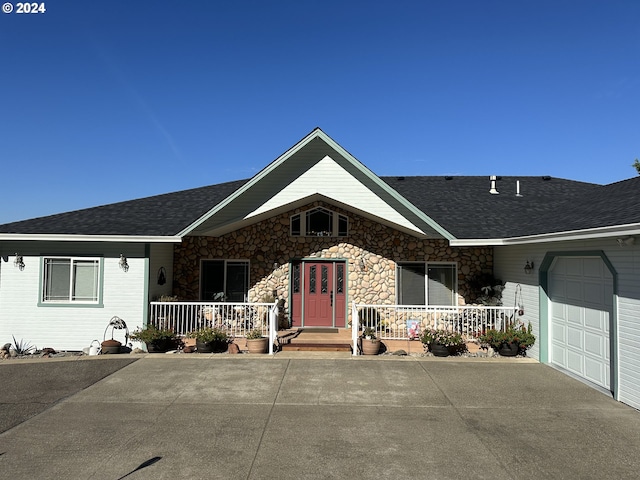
(400, 178)
(493, 190)
(518, 194)
(546, 178)
(448, 178)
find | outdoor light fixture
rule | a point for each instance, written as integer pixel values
(528, 268)
(361, 264)
(19, 262)
(124, 265)
(626, 241)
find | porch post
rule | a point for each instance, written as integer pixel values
(273, 322)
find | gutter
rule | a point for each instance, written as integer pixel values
(88, 238)
(588, 234)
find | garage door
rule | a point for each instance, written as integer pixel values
(581, 294)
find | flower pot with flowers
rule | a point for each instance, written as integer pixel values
(515, 339)
(211, 340)
(442, 343)
(370, 344)
(157, 340)
(256, 343)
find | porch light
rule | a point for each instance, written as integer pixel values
(362, 265)
(528, 268)
(124, 265)
(19, 262)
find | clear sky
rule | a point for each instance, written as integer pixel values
(104, 101)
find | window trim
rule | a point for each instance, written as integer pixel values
(455, 295)
(97, 303)
(225, 261)
(300, 219)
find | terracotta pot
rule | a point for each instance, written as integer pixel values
(370, 347)
(258, 345)
(111, 346)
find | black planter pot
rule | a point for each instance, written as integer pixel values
(509, 349)
(439, 350)
(211, 347)
(162, 345)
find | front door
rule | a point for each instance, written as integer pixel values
(318, 294)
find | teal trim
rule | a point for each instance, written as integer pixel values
(544, 302)
(145, 296)
(100, 303)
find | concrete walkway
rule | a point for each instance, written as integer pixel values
(170, 416)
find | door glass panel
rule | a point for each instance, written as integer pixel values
(340, 279)
(324, 278)
(296, 278)
(312, 279)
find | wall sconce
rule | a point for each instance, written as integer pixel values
(124, 265)
(528, 268)
(362, 265)
(19, 262)
(626, 241)
(276, 265)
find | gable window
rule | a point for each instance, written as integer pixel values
(427, 284)
(224, 280)
(319, 222)
(71, 280)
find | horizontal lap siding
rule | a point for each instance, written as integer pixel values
(70, 327)
(509, 266)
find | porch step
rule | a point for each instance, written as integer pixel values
(316, 339)
(316, 347)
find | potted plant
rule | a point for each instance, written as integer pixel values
(516, 339)
(256, 343)
(156, 339)
(370, 344)
(442, 343)
(211, 340)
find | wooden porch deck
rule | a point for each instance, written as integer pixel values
(316, 339)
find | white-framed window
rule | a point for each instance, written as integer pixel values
(71, 280)
(224, 280)
(319, 222)
(422, 283)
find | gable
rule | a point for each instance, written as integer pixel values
(316, 169)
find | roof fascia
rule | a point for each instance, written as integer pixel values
(318, 133)
(588, 234)
(88, 238)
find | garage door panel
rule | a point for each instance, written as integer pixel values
(581, 293)
(574, 338)
(574, 290)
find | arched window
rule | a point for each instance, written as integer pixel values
(319, 222)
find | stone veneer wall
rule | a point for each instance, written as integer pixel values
(269, 242)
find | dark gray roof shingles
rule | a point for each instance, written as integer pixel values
(462, 205)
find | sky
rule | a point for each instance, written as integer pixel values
(104, 102)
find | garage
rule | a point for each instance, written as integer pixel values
(581, 306)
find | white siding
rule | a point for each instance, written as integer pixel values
(509, 266)
(69, 327)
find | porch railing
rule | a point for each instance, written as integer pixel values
(401, 322)
(234, 318)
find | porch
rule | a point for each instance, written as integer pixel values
(398, 326)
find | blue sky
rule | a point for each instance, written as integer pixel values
(110, 101)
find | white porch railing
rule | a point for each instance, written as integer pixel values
(401, 322)
(234, 318)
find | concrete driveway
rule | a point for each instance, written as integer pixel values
(306, 418)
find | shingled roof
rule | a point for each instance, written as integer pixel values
(461, 204)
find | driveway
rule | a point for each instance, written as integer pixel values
(237, 417)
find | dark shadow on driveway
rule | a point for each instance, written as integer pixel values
(28, 388)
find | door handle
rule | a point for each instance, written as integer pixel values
(331, 297)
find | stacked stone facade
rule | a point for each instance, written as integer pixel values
(371, 250)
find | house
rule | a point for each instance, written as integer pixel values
(321, 231)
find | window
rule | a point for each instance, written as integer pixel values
(71, 280)
(319, 222)
(427, 284)
(224, 280)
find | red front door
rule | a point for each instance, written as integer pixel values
(318, 296)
